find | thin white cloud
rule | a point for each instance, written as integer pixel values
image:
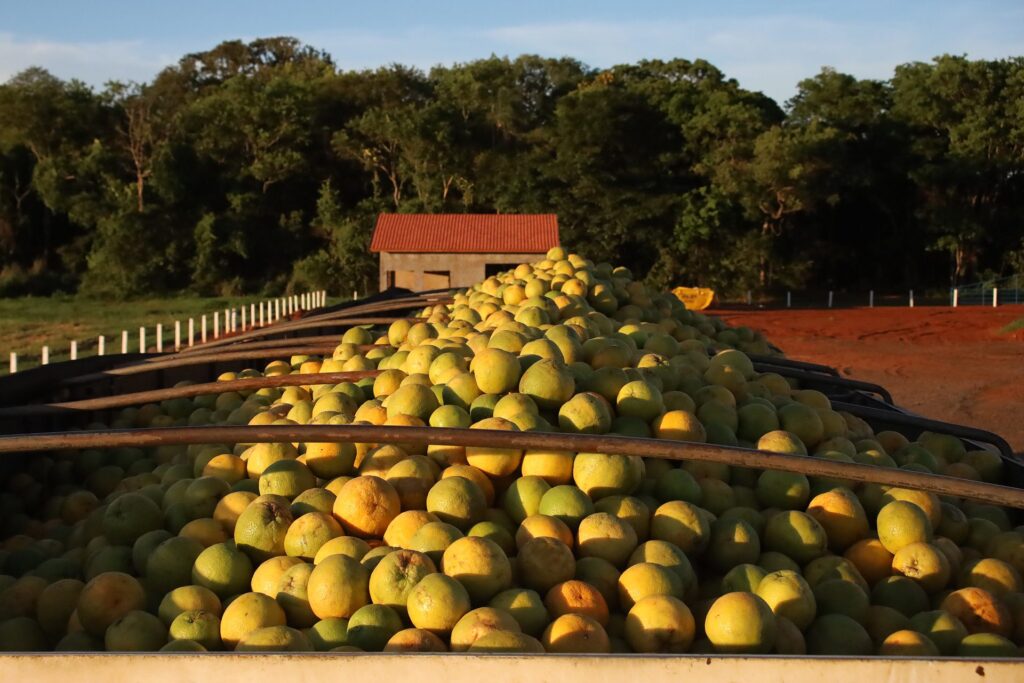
(767, 53)
(771, 53)
(92, 62)
(416, 46)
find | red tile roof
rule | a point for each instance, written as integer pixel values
(465, 233)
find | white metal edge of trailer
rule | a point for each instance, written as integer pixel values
(461, 668)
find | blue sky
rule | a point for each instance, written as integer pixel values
(767, 46)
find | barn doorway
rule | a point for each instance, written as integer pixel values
(436, 279)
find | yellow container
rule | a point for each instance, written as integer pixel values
(695, 298)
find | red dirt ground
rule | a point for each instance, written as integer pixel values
(946, 363)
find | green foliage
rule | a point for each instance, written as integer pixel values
(1010, 328)
(259, 166)
(131, 255)
(968, 147)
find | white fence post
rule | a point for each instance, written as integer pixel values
(355, 294)
(216, 324)
(14, 362)
(177, 335)
(101, 342)
(871, 299)
(995, 297)
(74, 350)
(956, 297)
(789, 299)
(830, 298)
(911, 298)
(202, 333)
(45, 360)
(252, 316)
(142, 340)
(243, 318)
(124, 341)
(227, 320)
(159, 338)
(234, 320)
(191, 331)
(261, 314)
(277, 309)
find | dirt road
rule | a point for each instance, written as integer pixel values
(951, 364)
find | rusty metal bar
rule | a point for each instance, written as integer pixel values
(333, 339)
(301, 324)
(187, 391)
(396, 304)
(841, 382)
(646, 447)
(177, 361)
(339, 315)
(896, 417)
(782, 362)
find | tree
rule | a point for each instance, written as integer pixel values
(968, 149)
(258, 165)
(615, 183)
(140, 130)
(376, 140)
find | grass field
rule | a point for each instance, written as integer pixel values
(1015, 326)
(29, 323)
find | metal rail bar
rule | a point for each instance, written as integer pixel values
(175, 361)
(897, 417)
(782, 362)
(302, 324)
(334, 339)
(646, 447)
(397, 303)
(844, 382)
(348, 314)
(187, 391)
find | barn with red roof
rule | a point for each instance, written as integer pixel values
(436, 251)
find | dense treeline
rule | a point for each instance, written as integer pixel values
(255, 167)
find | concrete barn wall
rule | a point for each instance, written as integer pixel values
(416, 271)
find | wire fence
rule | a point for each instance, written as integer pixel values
(996, 292)
(835, 299)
